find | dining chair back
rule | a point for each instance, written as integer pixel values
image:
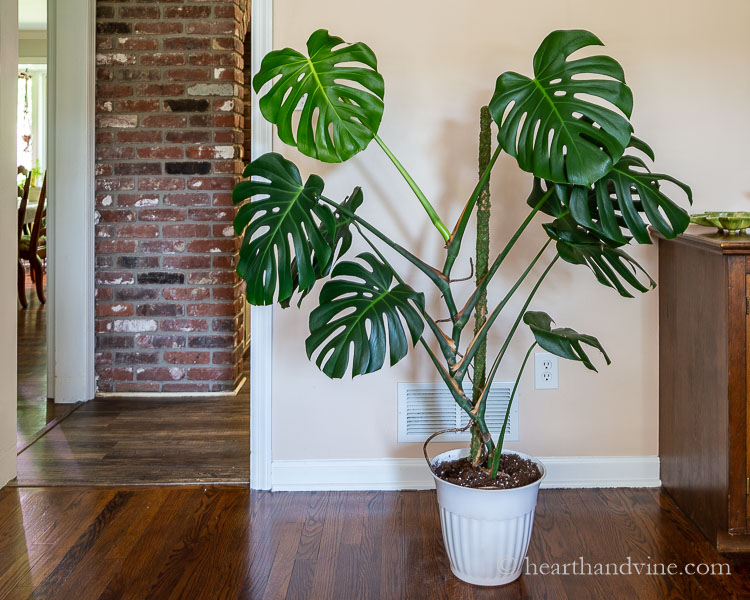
(22, 207)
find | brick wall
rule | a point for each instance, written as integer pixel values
(170, 119)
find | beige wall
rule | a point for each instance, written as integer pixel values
(687, 63)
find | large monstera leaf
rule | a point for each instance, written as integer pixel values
(547, 123)
(284, 208)
(341, 91)
(562, 341)
(340, 240)
(357, 306)
(620, 197)
(611, 266)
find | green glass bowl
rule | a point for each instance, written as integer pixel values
(732, 222)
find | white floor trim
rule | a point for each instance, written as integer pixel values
(412, 473)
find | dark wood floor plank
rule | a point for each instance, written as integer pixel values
(227, 543)
(393, 559)
(134, 441)
(34, 410)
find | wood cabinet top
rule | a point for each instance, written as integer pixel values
(711, 240)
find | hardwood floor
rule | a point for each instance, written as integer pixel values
(35, 412)
(226, 543)
(121, 441)
(144, 441)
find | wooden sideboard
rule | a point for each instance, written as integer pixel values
(704, 284)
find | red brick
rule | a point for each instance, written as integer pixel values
(187, 358)
(187, 262)
(187, 325)
(158, 28)
(161, 59)
(115, 374)
(212, 245)
(138, 137)
(159, 373)
(187, 74)
(159, 152)
(162, 246)
(186, 293)
(211, 310)
(185, 231)
(138, 105)
(187, 12)
(137, 231)
(136, 43)
(161, 183)
(161, 214)
(158, 89)
(186, 43)
(113, 310)
(139, 12)
(116, 216)
(115, 246)
(210, 373)
(189, 199)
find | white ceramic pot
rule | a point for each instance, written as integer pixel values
(486, 532)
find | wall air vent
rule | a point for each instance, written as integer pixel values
(424, 408)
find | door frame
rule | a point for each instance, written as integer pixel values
(71, 292)
(261, 317)
(71, 212)
(8, 238)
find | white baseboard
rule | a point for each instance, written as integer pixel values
(412, 473)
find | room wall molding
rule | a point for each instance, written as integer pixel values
(412, 473)
(261, 317)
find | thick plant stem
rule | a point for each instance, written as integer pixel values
(436, 221)
(499, 446)
(482, 265)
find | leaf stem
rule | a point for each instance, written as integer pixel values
(499, 446)
(436, 221)
(454, 243)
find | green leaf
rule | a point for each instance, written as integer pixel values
(284, 209)
(340, 242)
(341, 91)
(611, 266)
(622, 194)
(562, 342)
(547, 123)
(356, 306)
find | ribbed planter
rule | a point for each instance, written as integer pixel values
(486, 532)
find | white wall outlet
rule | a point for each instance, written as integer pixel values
(545, 371)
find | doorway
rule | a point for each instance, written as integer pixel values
(35, 411)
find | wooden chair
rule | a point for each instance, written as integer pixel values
(21, 223)
(33, 248)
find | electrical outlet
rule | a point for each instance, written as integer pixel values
(545, 371)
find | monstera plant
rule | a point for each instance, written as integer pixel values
(568, 125)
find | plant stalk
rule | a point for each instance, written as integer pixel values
(482, 265)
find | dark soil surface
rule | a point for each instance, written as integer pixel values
(514, 472)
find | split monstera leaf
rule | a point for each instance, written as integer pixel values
(568, 125)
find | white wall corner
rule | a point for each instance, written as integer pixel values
(413, 474)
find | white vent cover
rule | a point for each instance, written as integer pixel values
(424, 408)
